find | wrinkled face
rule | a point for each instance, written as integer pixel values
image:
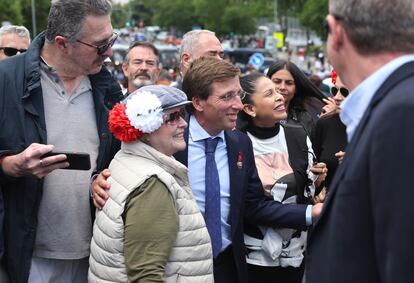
(142, 68)
(169, 138)
(285, 84)
(97, 30)
(268, 105)
(14, 41)
(219, 111)
(208, 45)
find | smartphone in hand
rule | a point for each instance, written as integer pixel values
(77, 160)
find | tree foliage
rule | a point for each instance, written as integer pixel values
(313, 15)
(11, 11)
(42, 12)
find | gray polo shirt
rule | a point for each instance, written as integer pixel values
(64, 223)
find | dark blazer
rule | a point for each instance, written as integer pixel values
(247, 198)
(365, 233)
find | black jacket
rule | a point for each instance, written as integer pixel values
(22, 122)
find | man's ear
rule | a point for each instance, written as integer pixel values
(198, 103)
(185, 60)
(337, 32)
(125, 69)
(61, 42)
(249, 110)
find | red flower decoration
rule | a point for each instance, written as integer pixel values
(120, 125)
(334, 76)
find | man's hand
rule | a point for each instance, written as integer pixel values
(316, 211)
(30, 162)
(321, 170)
(340, 155)
(100, 186)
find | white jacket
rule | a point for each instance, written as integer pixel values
(191, 256)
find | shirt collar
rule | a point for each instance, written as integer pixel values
(197, 133)
(355, 105)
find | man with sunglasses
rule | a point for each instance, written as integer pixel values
(53, 99)
(13, 40)
(365, 232)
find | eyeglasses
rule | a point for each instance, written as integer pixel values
(10, 51)
(342, 90)
(231, 95)
(175, 116)
(103, 47)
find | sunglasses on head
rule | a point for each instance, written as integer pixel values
(10, 51)
(342, 90)
(101, 49)
(175, 116)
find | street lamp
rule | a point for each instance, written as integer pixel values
(34, 18)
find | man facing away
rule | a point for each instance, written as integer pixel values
(13, 40)
(365, 232)
(54, 100)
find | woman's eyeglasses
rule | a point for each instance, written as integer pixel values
(175, 116)
(10, 51)
(342, 90)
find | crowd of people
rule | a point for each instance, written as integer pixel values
(218, 177)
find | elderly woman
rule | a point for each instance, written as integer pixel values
(150, 229)
(285, 164)
(303, 100)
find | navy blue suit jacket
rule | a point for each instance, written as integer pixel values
(365, 233)
(247, 199)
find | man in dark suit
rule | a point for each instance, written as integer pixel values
(365, 232)
(214, 88)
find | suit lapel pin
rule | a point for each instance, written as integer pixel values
(240, 160)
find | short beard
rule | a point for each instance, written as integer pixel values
(138, 83)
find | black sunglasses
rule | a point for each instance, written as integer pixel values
(175, 116)
(10, 51)
(344, 91)
(103, 47)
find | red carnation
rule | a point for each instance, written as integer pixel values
(334, 76)
(120, 125)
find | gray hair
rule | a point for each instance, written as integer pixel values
(144, 44)
(20, 31)
(376, 26)
(66, 17)
(190, 40)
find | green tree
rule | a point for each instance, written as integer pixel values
(119, 15)
(238, 19)
(313, 15)
(179, 15)
(11, 11)
(42, 12)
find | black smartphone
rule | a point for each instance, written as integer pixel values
(77, 160)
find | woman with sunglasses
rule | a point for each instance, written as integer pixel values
(303, 100)
(329, 137)
(289, 174)
(150, 229)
